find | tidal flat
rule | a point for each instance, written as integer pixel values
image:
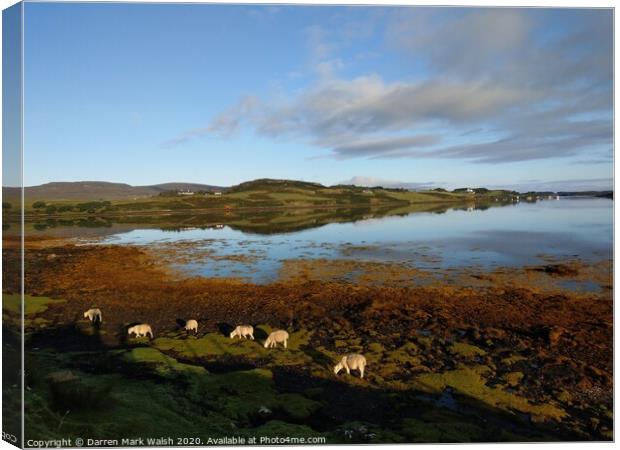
(454, 355)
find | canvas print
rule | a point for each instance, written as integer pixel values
(229, 224)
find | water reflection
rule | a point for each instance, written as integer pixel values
(445, 238)
(256, 221)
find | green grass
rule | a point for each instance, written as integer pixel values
(163, 364)
(466, 350)
(242, 394)
(170, 397)
(213, 345)
(455, 431)
(190, 403)
(512, 359)
(259, 193)
(32, 305)
(471, 382)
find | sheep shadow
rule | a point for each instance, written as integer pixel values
(73, 336)
(317, 357)
(260, 334)
(225, 328)
(343, 401)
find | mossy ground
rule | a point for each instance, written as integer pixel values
(466, 350)
(472, 382)
(32, 304)
(195, 401)
(420, 344)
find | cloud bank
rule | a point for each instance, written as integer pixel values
(492, 86)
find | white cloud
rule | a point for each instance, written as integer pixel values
(501, 85)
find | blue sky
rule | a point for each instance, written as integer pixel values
(220, 94)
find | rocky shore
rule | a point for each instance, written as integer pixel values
(499, 358)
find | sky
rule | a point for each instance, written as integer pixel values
(395, 96)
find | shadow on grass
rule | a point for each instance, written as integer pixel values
(343, 402)
(475, 421)
(260, 334)
(225, 328)
(317, 357)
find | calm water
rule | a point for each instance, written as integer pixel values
(513, 235)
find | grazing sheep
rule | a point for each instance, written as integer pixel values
(93, 314)
(243, 331)
(141, 330)
(354, 361)
(275, 338)
(191, 325)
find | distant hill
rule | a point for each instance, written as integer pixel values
(258, 192)
(271, 184)
(96, 190)
(602, 194)
(195, 187)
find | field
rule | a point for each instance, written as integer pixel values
(255, 196)
(461, 359)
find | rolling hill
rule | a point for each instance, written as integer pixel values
(100, 190)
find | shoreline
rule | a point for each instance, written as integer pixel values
(494, 345)
(243, 209)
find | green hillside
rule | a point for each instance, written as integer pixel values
(262, 194)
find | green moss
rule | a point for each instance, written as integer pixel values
(297, 407)
(314, 393)
(419, 431)
(470, 381)
(32, 305)
(341, 343)
(425, 341)
(564, 396)
(513, 378)
(132, 408)
(466, 350)
(392, 363)
(404, 354)
(164, 364)
(41, 322)
(211, 344)
(375, 347)
(202, 405)
(512, 359)
(243, 394)
(299, 339)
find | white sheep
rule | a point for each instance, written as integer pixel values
(243, 331)
(275, 338)
(141, 330)
(354, 361)
(191, 325)
(93, 314)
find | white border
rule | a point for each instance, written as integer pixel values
(498, 3)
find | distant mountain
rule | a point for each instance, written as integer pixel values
(96, 190)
